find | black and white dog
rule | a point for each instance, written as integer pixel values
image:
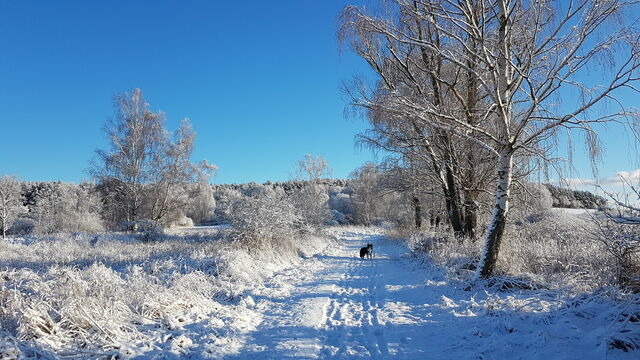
(366, 251)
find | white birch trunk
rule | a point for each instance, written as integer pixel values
(495, 228)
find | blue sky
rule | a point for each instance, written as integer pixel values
(259, 80)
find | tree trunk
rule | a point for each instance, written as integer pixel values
(452, 201)
(495, 228)
(470, 216)
(4, 218)
(418, 211)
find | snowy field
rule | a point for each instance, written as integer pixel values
(195, 297)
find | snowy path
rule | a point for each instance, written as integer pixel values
(338, 306)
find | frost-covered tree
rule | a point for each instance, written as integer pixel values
(10, 201)
(138, 141)
(203, 204)
(64, 207)
(312, 168)
(523, 57)
(311, 199)
(143, 173)
(366, 193)
(166, 196)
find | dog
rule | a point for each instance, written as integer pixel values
(366, 251)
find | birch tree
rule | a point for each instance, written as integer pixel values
(532, 61)
(10, 202)
(142, 176)
(137, 138)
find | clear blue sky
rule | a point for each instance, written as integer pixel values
(259, 80)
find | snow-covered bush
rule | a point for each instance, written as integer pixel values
(310, 203)
(64, 207)
(622, 242)
(183, 221)
(459, 256)
(551, 248)
(559, 249)
(618, 229)
(225, 197)
(530, 198)
(266, 220)
(148, 230)
(22, 226)
(202, 205)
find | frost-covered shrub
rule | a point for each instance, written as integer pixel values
(553, 248)
(183, 221)
(225, 198)
(310, 203)
(148, 229)
(22, 226)
(622, 242)
(266, 220)
(618, 229)
(458, 255)
(203, 204)
(559, 248)
(64, 207)
(530, 198)
(341, 202)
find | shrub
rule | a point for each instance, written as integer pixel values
(551, 247)
(265, 220)
(22, 226)
(149, 230)
(310, 203)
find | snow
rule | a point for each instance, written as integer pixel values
(582, 213)
(328, 303)
(395, 306)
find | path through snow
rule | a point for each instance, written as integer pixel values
(338, 306)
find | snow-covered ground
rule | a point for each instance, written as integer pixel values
(582, 213)
(328, 304)
(338, 306)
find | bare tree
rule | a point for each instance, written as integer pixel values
(311, 200)
(312, 168)
(167, 194)
(10, 202)
(137, 139)
(143, 174)
(522, 56)
(411, 72)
